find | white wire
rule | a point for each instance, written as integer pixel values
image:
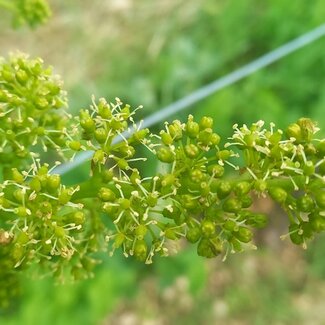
(211, 88)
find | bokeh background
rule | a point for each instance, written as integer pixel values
(153, 53)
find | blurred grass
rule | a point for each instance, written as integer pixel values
(153, 53)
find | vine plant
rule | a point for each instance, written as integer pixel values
(202, 196)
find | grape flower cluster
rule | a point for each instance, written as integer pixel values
(202, 194)
(31, 109)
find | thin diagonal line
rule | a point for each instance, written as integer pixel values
(212, 88)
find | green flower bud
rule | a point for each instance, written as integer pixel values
(125, 112)
(246, 201)
(230, 225)
(41, 103)
(135, 176)
(260, 185)
(317, 222)
(188, 202)
(223, 154)
(126, 150)
(215, 139)
(64, 196)
(232, 205)
(191, 150)
(74, 145)
(307, 128)
(206, 123)
(196, 175)
(250, 139)
(152, 200)
(224, 189)
(309, 168)
(168, 180)
(242, 188)
(59, 232)
(110, 210)
(46, 208)
(106, 195)
(4, 202)
(192, 129)
(138, 136)
(175, 131)
(209, 247)
(22, 77)
(140, 231)
(7, 76)
(122, 164)
(294, 131)
(171, 234)
(19, 195)
(107, 175)
(165, 155)
(100, 135)
(305, 203)
(99, 156)
(22, 211)
(205, 137)
(22, 238)
(257, 220)
(104, 110)
(244, 235)
(208, 228)
(278, 194)
(275, 138)
(310, 149)
(17, 176)
(166, 138)
(236, 244)
(216, 170)
(140, 250)
(86, 122)
(204, 189)
(119, 240)
(79, 218)
(193, 234)
(43, 170)
(124, 203)
(53, 182)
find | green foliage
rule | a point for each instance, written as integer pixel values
(27, 12)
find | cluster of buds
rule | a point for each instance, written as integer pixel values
(290, 167)
(193, 198)
(27, 12)
(134, 204)
(98, 129)
(42, 224)
(202, 193)
(213, 210)
(30, 99)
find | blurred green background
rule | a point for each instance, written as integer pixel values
(153, 53)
